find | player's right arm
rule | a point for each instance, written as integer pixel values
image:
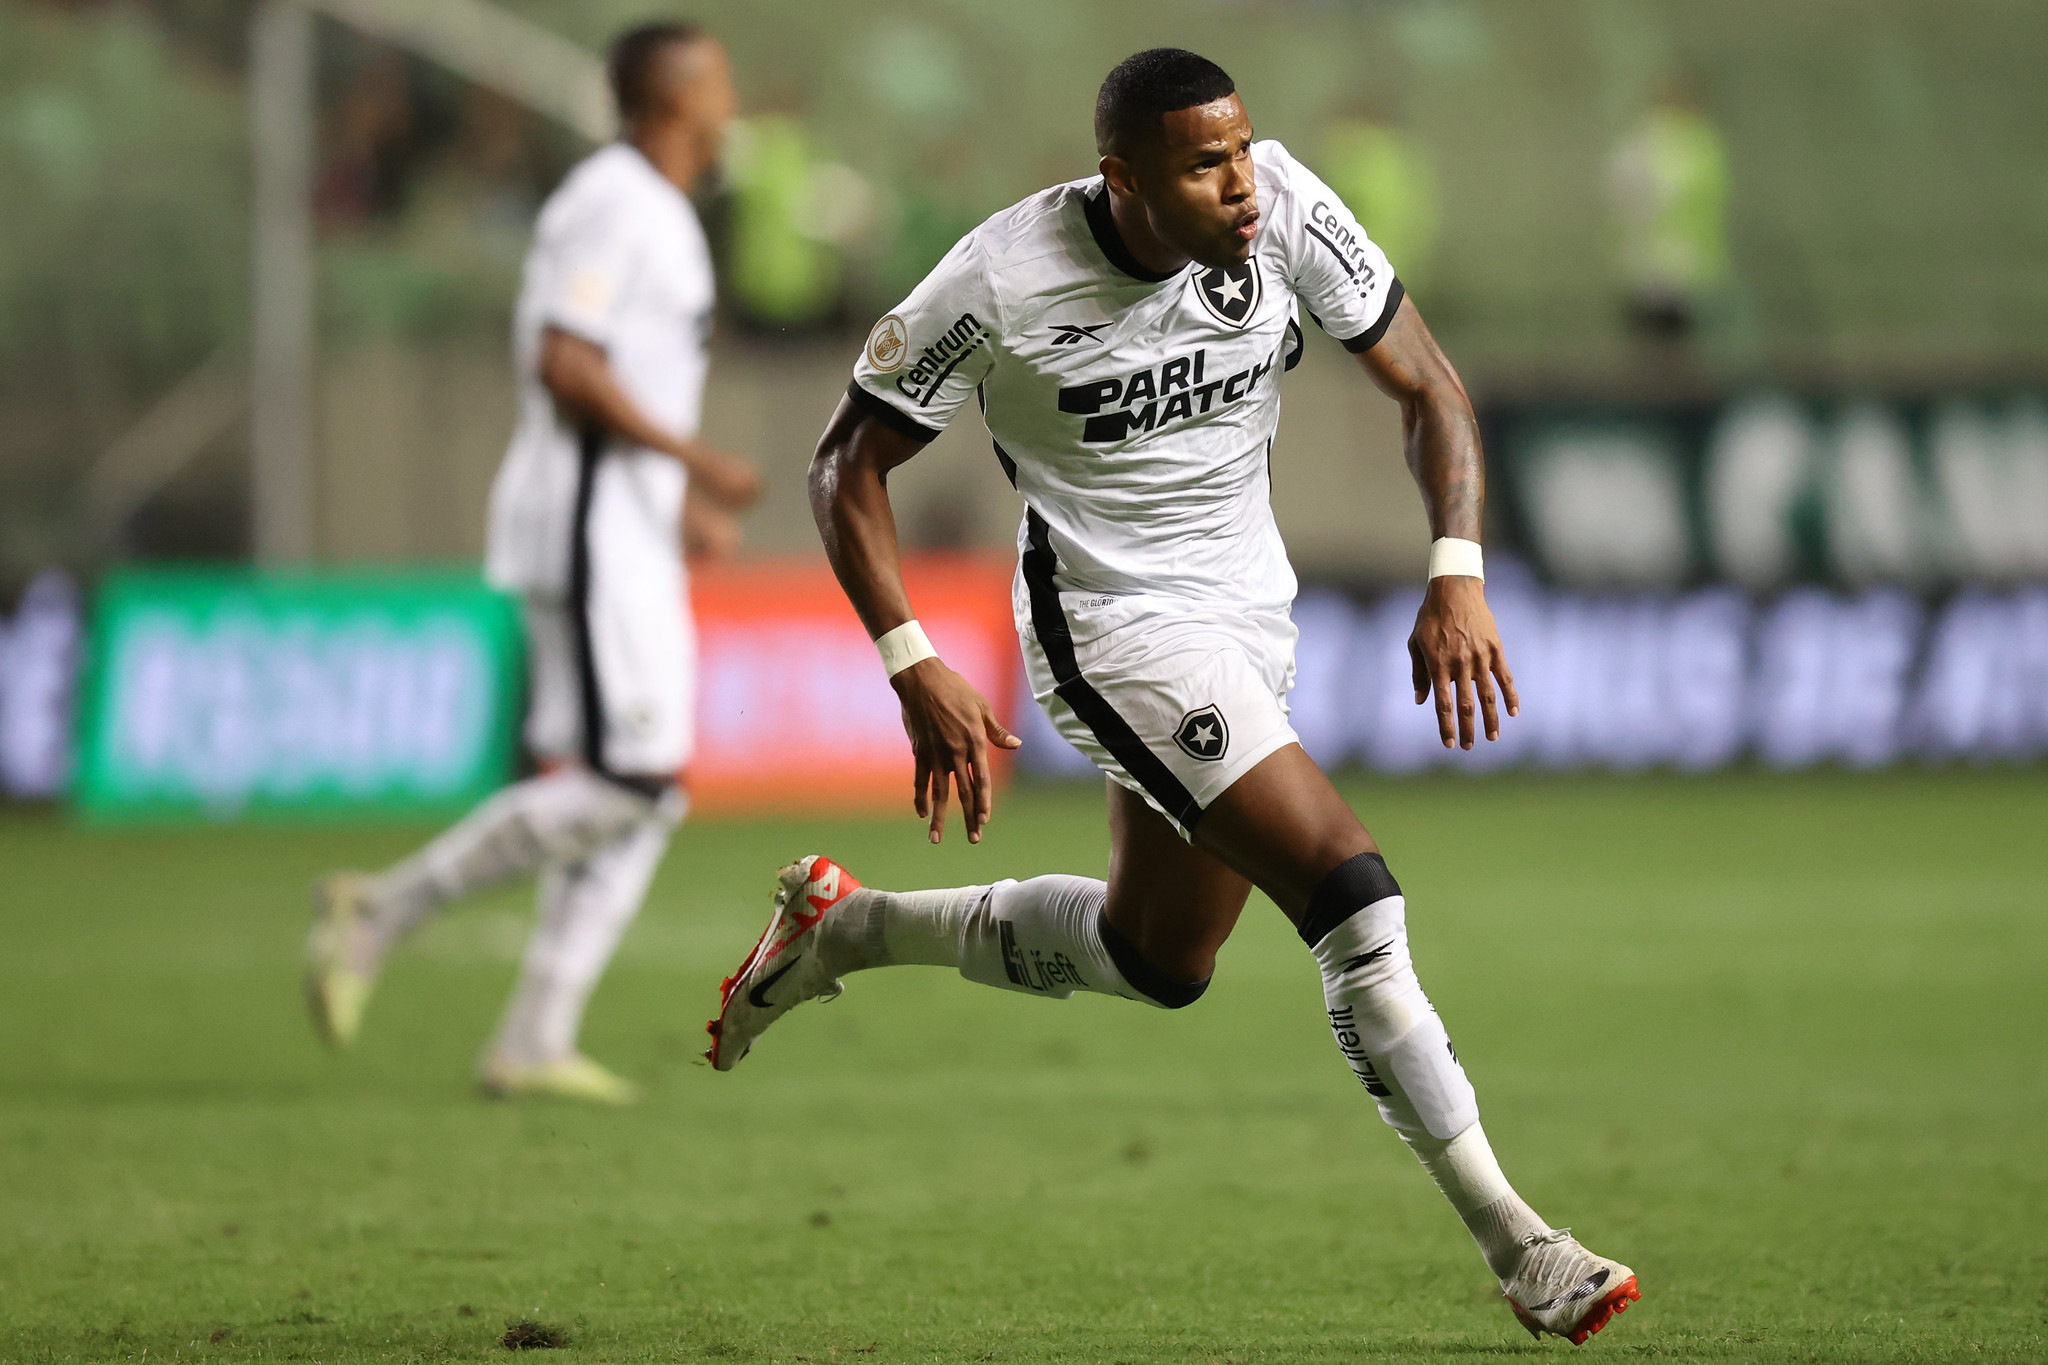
(578, 374)
(920, 364)
(950, 724)
(588, 265)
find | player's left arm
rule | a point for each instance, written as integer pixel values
(1455, 651)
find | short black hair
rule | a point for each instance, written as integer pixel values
(631, 64)
(1148, 84)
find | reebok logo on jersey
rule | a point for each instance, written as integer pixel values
(1203, 735)
(1326, 227)
(1230, 292)
(1074, 334)
(921, 382)
(1173, 392)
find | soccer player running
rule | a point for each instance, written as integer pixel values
(603, 480)
(1126, 335)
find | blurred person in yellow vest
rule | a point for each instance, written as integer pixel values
(791, 208)
(1388, 183)
(1668, 179)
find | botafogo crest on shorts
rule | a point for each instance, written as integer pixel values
(1135, 414)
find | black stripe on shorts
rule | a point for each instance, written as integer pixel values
(589, 450)
(1111, 730)
(590, 445)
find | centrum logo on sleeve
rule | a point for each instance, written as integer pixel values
(888, 344)
(921, 382)
(1326, 227)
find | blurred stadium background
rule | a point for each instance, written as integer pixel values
(1753, 299)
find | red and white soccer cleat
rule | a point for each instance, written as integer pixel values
(1565, 1290)
(785, 969)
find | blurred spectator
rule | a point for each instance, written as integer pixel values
(370, 139)
(1389, 183)
(1669, 182)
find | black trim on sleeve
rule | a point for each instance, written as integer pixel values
(886, 413)
(1009, 465)
(1056, 639)
(1370, 337)
(1102, 226)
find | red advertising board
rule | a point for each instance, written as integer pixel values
(794, 713)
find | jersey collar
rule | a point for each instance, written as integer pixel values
(1102, 225)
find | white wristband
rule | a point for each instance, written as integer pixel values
(1450, 556)
(904, 646)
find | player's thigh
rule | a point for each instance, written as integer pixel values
(1284, 826)
(643, 659)
(554, 715)
(1174, 901)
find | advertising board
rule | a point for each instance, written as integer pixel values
(794, 712)
(222, 693)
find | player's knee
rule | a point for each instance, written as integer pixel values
(1174, 983)
(1347, 889)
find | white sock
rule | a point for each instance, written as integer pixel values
(1396, 1045)
(1042, 937)
(557, 818)
(584, 909)
(1465, 1169)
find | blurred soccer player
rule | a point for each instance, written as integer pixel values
(1126, 335)
(604, 478)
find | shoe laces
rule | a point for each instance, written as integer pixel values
(1551, 1261)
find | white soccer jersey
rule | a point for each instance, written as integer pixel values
(1134, 412)
(619, 258)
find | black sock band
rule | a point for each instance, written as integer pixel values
(1350, 887)
(1143, 977)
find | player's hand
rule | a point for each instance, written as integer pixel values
(951, 727)
(709, 531)
(731, 482)
(1455, 652)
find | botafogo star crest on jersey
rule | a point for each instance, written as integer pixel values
(1230, 292)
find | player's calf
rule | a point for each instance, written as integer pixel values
(1388, 1032)
(555, 818)
(1046, 936)
(1394, 1043)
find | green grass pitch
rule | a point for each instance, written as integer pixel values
(1781, 1044)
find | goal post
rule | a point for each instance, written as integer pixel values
(477, 41)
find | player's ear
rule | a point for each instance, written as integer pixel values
(1117, 172)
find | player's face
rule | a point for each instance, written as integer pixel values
(701, 78)
(1197, 183)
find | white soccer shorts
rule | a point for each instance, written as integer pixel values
(1175, 706)
(613, 678)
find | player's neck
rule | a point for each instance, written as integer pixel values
(1145, 246)
(674, 150)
